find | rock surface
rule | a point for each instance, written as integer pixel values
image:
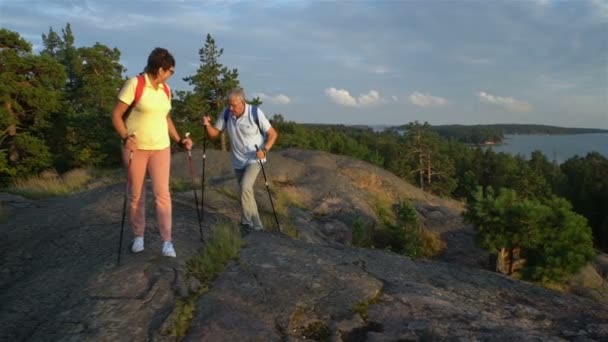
(287, 290)
(59, 281)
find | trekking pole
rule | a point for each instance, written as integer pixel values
(198, 213)
(203, 176)
(124, 207)
(268, 189)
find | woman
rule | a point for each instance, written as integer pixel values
(146, 131)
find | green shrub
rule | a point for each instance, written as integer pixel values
(398, 230)
(555, 242)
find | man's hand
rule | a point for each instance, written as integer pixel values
(260, 153)
(206, 120)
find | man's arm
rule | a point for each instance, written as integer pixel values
(272, 137)
(212, 132)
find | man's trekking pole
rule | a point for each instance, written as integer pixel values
(198, 213)
(124, 207)
(268, 189)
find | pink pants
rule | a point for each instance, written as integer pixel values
(157, 163)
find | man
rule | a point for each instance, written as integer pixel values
(245, 133)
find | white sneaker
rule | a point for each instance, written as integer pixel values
(168, 250)
(138, 244)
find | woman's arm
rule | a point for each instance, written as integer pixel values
(119, 125)
(186, 142)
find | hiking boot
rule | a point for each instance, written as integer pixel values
(168, 250)
(138, 244)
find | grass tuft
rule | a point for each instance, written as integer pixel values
(223, 246)
(180, 184)
(362, 306)
(50, 184)
(228, 192)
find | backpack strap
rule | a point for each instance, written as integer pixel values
(139, 89)
(167, 90)
(254, 114)
(226, 116)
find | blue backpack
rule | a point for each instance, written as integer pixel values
(254, 113)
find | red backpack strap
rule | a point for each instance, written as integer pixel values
(167, 90)
(139, 89)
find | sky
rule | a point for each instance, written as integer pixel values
(366, 62)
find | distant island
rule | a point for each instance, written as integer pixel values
(494, 134)
(481, 135)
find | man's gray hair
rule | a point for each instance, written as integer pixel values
(236, 93)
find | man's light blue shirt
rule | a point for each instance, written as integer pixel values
(244, 135)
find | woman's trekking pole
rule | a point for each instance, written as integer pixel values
(203, 177)
(124, 209)
(268, 189)
(198, 213)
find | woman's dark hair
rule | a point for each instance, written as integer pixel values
(159, 58)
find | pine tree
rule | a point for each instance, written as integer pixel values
(30, 89)
(554, 241)
(81, 134)
(211, 84)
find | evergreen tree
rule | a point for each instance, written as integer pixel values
(554, 241)
(421, 156)
(81, 134)
(567, 244)
(256, 101)
(586, 186)
(30, 89)
(211, 84)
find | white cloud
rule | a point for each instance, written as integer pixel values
(344, 98)
(379, 69)
(341, 97)
(601, 7)
(274, 99)
(426, 100)
(373, 97)
(508, 103)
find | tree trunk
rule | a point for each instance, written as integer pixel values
(501, 261)
(428, 171)
(223, 141)
(510, 260)
(421, 173)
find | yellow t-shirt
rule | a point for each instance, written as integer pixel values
(149, 117)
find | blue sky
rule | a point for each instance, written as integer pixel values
(367, 62)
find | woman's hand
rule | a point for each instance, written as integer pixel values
(130, 142)
(186, 143)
